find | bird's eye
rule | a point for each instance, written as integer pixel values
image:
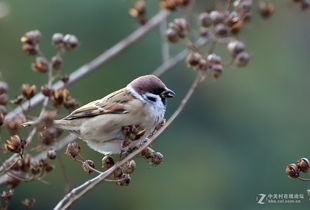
(151, 98)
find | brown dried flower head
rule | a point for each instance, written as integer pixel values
(60, 95)
(13, 125)
(4, 99)
(58, 40)
(107, 162)
(303, 164)
(28, 203)
(129, 167)
(15, 144)
(41, 65)
(124, 180)
(292, 170)
(157, 158)
(7, 195)
(138, 9)
(73, 149)
(88, 166)
(28, 91)
(70, 42)
(49, 135)
(31, 37)
(30, 49)
(57, 62)
(266, 9)
(51, 154)
(46, 91)
(3, 87)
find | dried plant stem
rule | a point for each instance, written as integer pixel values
(167, 65)
(98, 61)
(164, 43)
(81, 190)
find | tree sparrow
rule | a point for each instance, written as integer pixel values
(100, 123)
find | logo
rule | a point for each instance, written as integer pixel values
(280, 198)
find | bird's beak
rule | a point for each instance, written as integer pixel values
(167, 93)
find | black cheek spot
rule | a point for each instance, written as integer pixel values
(151, 98)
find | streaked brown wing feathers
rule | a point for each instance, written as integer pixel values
(113, 103)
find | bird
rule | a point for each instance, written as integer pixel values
(100, 123)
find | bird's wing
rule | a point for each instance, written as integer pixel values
(114, 103)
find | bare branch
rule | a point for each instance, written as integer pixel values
(81, 190)
(98, 61)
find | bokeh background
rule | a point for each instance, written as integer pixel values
(232, 141)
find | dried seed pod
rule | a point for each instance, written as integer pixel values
(157, 158)
(192, 59)
(117, 173)
(13, 125)
(217, 17)
(303, 164)
(243, 6)
(51, 154)
(28, 91)
(60, 95)
(214, 59)
(266, 9)
(48, 167)
(107, 162)
(35, 168)
(24, 163)
(30, 49)
(70, 42)
(242, 59)
(70, 103)
(237, 27)
(138, 9)
(31, 37)
(168, 4)
(129, 167)
(15, 144)
(47, 119)
(46, 91)
(235, 47)
(147, 153)
(7, 195)
(58, 40)
(292, 170)
(41, 65)
(221, 30)
(204, 32)
(205, 20)
(65, 78)
(73, 149)
(56, 62)
(49, 135)
(172, 35)
(217, 70)
(88, 166)
(28, 203)
(181, 23)
(124, 180)
(4, 99)
(3, 87)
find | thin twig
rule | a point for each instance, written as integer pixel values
(98, 61)
(81, 190)
(164, 43)
(166, 66)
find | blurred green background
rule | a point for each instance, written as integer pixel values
(233, 140)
